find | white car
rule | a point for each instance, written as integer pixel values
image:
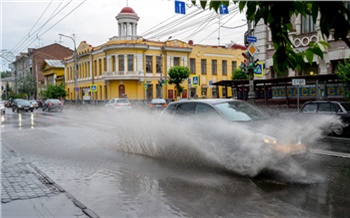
(2, 107)
(119, 104)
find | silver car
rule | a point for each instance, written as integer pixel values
(119, 104)
(2, 107)
(236, 111)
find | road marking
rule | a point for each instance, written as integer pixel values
(330, 153)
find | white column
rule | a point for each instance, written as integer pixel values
(108, 63)
(126, 63)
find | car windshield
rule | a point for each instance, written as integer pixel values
(158, 101)
(123, 100)
(240, 111)
(346, 106)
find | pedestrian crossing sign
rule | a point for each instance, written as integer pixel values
(93, 88)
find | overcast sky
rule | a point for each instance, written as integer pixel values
(36, 23)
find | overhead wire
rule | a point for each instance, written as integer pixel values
(23, 46)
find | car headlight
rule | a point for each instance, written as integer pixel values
(19, 105)
(287, 148)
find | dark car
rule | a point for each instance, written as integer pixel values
(157, 104)
(52, 105)
(245, 115)
(21, 105)
(337, 108)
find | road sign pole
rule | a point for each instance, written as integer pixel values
(298, 97)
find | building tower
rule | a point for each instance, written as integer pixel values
(127, 24)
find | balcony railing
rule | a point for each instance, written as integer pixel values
(136, 75)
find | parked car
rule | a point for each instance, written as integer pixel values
(337, 108)
(157, 104)
(21, 105)
(52, 105)
(35, 103)
(242, 113)
(2, 107)
(119, 104)
(6, 103)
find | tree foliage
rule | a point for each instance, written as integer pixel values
(26, 85)
(344, 73)
(5, 74)
(239, 74)
(177, 75)
(55, 91)
(277, 15)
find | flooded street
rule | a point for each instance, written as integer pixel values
(140, 164)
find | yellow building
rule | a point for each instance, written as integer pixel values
(53, 72)
(128, 65)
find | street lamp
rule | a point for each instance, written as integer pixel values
(75, 67)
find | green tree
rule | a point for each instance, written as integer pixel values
(55, 91)
(5, 74)
(177, 75)
(277, 15)
(344, 73)
(26, 85)
(239, 74)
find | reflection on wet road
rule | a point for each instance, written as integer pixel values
(140, 166)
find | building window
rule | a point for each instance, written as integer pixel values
(213, 93)
(307, 24)
(234, 65)
(176, 61)
(224, 67)
(159, 64)
(214, 67)
(104, 65)
(223, 90)
(204, 92)
(203, 66)
(193, 65)
(130, 62)
(113, 63)
(149, 64)
(121, 62)
(99, 66)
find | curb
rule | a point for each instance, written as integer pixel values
(77, 203)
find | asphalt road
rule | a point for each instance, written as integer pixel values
(138, 166)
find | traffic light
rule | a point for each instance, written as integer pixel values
(162, 82)
(243, 66)
(246, 55)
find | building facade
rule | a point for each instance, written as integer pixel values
(304, 32)
(129, 65)
(31, 62)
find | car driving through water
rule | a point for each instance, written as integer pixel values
(245, 116)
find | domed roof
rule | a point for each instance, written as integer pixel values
(127, 10)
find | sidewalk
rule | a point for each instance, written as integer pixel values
(28, 192)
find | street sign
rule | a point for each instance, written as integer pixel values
(223, 9)
(76, 89)
(251, 39)
(180, 7)
(252, 49)
(93, 88)
(260, 69)
(189, 81)
(195, 81)
(145, 86)
(298, 82)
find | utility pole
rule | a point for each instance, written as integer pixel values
(76, 88)
(251, 95)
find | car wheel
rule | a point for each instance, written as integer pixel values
(338, 129)
(32, 110)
